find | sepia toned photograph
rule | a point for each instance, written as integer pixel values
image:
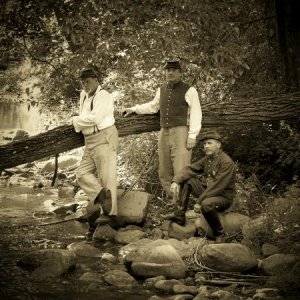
(149, 149)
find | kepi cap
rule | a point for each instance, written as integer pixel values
(172, 64)
(210, 135)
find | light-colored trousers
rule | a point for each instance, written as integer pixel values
(100, 158)
(172, 153)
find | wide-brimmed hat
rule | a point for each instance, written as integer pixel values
(172, 64)
(210, 135)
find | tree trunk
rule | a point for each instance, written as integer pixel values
(64, 138)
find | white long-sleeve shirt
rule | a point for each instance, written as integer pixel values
(100, 117)
(194, 110)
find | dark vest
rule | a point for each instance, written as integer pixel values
(173, 106)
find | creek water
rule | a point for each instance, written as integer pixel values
(21, 210)
(26, 116)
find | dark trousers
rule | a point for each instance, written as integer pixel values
(209, 206)
(219, 203)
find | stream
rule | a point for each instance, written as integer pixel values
(21, 210)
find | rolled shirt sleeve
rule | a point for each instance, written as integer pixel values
(151, 107)
(195, 112)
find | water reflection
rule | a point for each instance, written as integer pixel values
(21, 116)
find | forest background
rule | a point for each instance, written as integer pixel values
(230, 51)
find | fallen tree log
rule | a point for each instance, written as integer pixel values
(64, 138)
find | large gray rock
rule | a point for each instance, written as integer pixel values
(182, 248)
(132, 208)
(104, 233)
(120, 279)
(166, 286)
(159, 258)
(48, 262)
(84, 249)
(181, 232)
(278, 264)
(232, 257)
(63, 163)
(92, 277)
(133, 250)
(232, 223)
(128, 236)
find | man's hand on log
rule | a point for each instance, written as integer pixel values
(126, 111)
(191, 143)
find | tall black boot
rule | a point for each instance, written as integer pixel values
(178, 215)
(212, 218)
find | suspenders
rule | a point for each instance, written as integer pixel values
(91, 107)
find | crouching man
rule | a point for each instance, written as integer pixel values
(211, 180)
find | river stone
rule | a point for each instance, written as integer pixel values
(232, 223)
(181, 232)
(185, 289)
(128, 236)
(159, 258)
(182, 248)
(182, 297)
(63, 163)
(66, 192)
(92, 277)
(232, 257)
(166, 285)
(48, 262)
(84, 249)
(104, 233)
(20, 134)
(133, 250)
(119, 279)
(277, 264)
(150, 282)
(224, 295)
(132, 208)
(195, 244)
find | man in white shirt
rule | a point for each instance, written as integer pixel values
(96, 122)
(180, 122)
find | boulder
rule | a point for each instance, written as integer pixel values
(66, 192)
(104, 233)
(92, 277)
(20, 134)
(129, 252)
(185, 289)
(278, 264)
(166, 286)
(181, 232)
(150, 282)
(63, 163)
(120, 279)
(84, 249)
(182, 248)
(232, 257)
(224, 295)
(48, 262)
(128, 236)
(132, 208)
(159, 258)
(232, 223)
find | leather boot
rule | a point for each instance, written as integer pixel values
(212, 218)
(178, 216)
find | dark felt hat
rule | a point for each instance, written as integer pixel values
(88, 73)
(172, 64)
(210, 135)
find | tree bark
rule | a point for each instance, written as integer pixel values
(64, 138)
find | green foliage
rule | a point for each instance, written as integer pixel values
(131, 39)
(273, 154)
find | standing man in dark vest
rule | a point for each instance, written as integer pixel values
(180, 122)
